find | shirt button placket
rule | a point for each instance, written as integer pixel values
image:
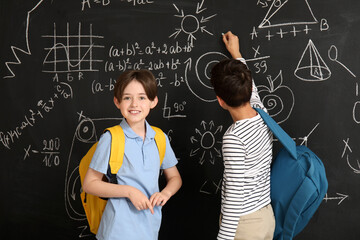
(141, 145)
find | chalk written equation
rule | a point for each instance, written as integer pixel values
(158, 58)
(86, 4)
(124, 54)
(50, 152)
(133, 49)
(43, 107)
(126, 64)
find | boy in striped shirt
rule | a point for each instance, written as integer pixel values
(246, 213)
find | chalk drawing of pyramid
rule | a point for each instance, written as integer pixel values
(285, 12)
(311, 66)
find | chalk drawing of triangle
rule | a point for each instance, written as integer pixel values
(285, 12)
(311, 66)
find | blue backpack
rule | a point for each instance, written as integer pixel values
(298, 183)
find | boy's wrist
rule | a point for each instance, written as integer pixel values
(166, 193)
(237, 55)
(128, 190)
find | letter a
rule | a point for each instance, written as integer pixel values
(83, 4)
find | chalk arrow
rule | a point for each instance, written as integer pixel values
(340, 197)
(203, 123)
(193, 152)
(199, 6)
(193, 139)
(218, 129)
(207, 18)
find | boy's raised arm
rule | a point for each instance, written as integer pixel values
(231, 42)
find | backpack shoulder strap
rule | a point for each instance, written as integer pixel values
(160, 142)
(279, 133)
(85, 162)
(117, 148)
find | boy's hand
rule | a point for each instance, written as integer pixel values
(159, 199)
(232, 44)
(139, 200)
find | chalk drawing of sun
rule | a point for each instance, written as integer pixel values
(206, 143)
(192, 23)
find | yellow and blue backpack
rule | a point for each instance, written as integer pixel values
(93, 205)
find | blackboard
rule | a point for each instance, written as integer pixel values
(59, 62)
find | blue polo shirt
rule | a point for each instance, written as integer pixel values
(140, 169)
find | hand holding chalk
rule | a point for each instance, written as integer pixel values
(232, 44)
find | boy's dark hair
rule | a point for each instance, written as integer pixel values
(143, 76)
(232, 82)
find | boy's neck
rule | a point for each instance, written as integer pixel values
(243, 112)
(139, 129)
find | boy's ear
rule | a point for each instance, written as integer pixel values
(116, 102)
(154, 102)
(221, 102)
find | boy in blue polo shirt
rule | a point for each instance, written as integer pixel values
(133, 210)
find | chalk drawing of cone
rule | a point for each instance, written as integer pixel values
(311, 66)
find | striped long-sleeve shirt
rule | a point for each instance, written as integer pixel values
(247, 154)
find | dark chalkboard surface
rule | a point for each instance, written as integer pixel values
(59, 62)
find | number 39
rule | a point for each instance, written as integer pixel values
(262, 66)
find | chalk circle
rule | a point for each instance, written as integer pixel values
(190, 24)
(203, 68)
(333, 51)
(204, 65)
(207, 140)
(313, 73)
(356, 112)
(277, 3)
(85, 132)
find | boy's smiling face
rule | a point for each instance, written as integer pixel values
(135, 104)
